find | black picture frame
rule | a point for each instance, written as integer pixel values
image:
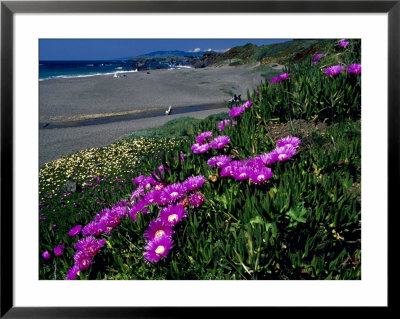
(9, 8)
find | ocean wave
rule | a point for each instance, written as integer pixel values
(85, 75)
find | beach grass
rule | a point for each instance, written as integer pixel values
(301, 222)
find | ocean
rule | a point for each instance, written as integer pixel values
(75, 69)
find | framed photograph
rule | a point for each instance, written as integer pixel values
(165, 157)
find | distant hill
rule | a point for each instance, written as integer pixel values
(174, 53)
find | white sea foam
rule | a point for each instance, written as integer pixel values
(86, 75)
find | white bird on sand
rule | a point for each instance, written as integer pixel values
(168, 111)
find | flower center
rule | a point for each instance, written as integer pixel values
(172, 218)
(282, 156)
(260, 177)
(160, 250)
(242, 175)
(159, 233)
(173, 194)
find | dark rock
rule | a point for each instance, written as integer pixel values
(71, 187)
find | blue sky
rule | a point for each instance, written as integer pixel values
(103, 49)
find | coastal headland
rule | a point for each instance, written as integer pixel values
(86, 112)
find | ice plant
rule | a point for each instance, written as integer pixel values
(284, 153)
(72, 272)
(242, 173)
(197, 199)
(228, 170)
(174, 191)
(267, 158)
(274, 79)
(201, 138)
(75, 230)
(283, 77)
(220, 141)
(236, 111)
(82, 260)
(93, 228)
(199, 149)
(334, 70)
(343, 43)
(225, 123)
(261, 175)
(193, 183)
(157, 248)
(354, 68)
(89, 245)
(317, 56)
(219, 161)
(157, 228)
(46, 255)
(289, 140)
(172, 214)
(58, 250)
(247, 104)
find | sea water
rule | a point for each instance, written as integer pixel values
(74, 69)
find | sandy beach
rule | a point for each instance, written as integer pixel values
(74, 100)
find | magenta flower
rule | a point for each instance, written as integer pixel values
(58, 250)
(197, 199)
(354, 68)
(139, 207)
(111, 219)
(334, 70)
(220, 161)
(289, 140)
(220, 141)
(158, 248)
(274, 79)
(201, 138)
(225, 123)
(46, 255)
(199, 149)
(261, 175)
(89, 245)
(317, 56)
(248, 104)
(174, 191)
(283, 77)
(139, 179)
(193, 183)
(343, 43)
(75, 230)
(242, 173)
(253, 163)
(172, 214)
(284, 153)
(72, 272)
(236, 111)
(228, 170)
(158, 228)
(82, 260)
(93, 228)
(267, 158)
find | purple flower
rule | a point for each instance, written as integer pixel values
(261, 175)
(224, 123)
(289, 140)
(174, 191)
(220, 141)
(82, 260)
(228, 170)
(199, 149)
(248, 104)
(317, 56)
(334, 70)
(182, 157)
(58, 250)
(267, 158)
(75, 230)
(354, 68)
(201, 138)
(158, 248)
(172, 214)
(274, 79)
(283, 77)
(93, 228)
(220, 161)
(193, 183)
(236, 111)
(89, 245)
(140, 206)
(197, 199)
(139, 179)
(157, 228)
(284, 153)
(253, 163)
(111, 218)
(72, 272)
(343, 43)
(242, 173)
(46, 255)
